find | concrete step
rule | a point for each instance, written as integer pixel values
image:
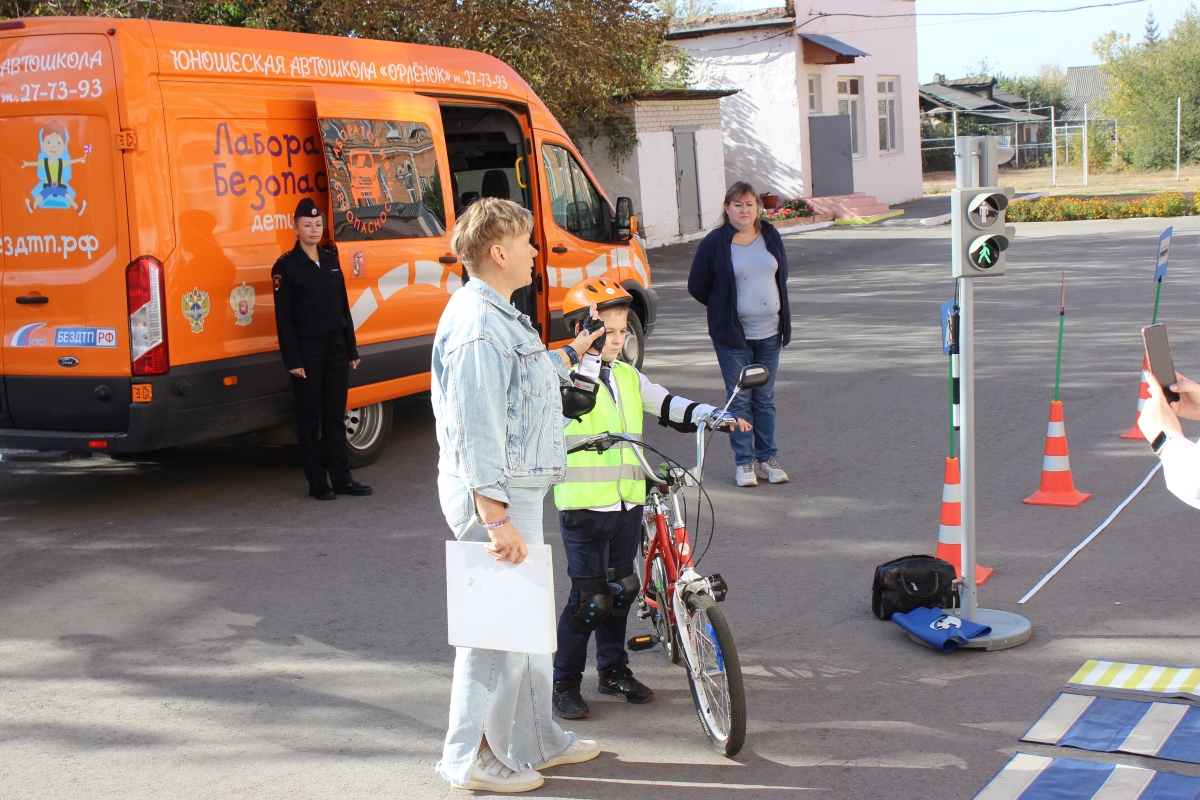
(858, 204)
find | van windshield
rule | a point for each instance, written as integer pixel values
(384, 180)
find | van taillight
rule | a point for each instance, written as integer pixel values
(147, 333)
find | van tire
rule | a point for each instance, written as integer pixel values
(367, 432)
(634, 351)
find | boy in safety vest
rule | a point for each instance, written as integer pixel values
(600, 503)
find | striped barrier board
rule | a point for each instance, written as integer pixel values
(1029, 777)
(1150, 679)
(1110, 725)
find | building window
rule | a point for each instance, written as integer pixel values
(885, 89)
(850, 104)
(814, 94)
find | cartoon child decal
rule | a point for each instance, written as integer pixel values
(53, 165)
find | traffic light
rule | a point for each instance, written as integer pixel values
(979, 234)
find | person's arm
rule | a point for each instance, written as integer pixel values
(1181, 469)
(678, 416)
(475, 369)
(700, 279)
(289, 345)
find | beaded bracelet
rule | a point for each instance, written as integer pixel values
(488, 526)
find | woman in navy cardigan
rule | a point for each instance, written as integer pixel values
(740, 273)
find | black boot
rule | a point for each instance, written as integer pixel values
(568, 702)
(621, 683)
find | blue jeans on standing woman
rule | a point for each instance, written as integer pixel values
(756, 406)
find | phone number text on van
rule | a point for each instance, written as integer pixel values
(49, 243)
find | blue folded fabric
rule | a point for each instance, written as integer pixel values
(938, 629)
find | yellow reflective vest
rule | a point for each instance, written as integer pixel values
(596, 480)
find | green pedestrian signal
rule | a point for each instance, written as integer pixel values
(979, 235)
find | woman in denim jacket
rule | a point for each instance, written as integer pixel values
(496, 397)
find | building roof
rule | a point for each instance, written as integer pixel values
(1008, 98)
(1085, 86)
(839, 47)
(679, 94)
(693, 27)
(948, 96)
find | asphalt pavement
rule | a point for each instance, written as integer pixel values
(196, 626)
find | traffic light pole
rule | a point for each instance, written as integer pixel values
(977, 159)
(969, 592)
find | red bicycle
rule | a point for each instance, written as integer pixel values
(681, 603)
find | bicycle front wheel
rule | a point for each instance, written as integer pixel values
(717, 690)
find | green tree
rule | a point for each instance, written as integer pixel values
(1144, 81)
(1150, 34)
(685, 9)
(580, 56)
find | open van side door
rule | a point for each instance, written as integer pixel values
(390, 216)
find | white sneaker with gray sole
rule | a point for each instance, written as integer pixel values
(580, 750)
(489, 774)
(770, 471)
(745, 475)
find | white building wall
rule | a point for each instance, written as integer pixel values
(762, 137)
(648, 176)
(766, 123)
(891, 177)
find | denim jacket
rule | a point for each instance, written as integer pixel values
(495, 392)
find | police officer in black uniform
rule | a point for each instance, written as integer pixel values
(316, 339)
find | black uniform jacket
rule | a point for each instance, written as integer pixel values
(310, 301)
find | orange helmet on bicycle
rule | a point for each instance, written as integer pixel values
(604, 292)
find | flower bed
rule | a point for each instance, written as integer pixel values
(1058, 209)
(790, 208)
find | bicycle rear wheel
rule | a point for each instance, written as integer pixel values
(720, 697)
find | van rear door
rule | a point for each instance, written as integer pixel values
(65, 236)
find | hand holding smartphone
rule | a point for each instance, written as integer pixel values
(1158, 352)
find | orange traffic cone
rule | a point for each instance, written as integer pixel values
(949, 547)
(1058, 489)
(1143, 395)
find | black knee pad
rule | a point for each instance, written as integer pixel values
(624, 584)
(595, 604)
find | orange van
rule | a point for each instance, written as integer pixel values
(147, 182)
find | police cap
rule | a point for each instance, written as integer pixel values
(306, 208)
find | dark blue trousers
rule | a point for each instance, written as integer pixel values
(595, 541)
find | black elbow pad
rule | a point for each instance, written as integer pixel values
(579, 398)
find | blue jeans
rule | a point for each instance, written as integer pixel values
(756, 406)
(506, 696)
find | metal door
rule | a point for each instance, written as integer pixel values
(686, 182)
(830, 156)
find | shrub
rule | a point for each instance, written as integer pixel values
(1058, 209)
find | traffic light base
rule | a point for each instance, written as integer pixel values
(1008, 630)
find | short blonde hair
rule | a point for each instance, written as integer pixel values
(482, 224)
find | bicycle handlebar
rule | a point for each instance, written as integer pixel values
(604, 441)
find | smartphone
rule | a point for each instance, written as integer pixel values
(591, 324)
(1158, 351)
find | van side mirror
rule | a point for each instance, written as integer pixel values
(753, 376)
(622, 228)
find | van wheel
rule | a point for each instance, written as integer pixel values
(367, 432)
(635, 342)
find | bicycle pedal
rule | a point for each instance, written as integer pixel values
(637, 643)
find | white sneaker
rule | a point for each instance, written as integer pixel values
(488, 774)
(771, 471)
(745, 475)
(580, 750)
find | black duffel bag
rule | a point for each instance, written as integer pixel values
(911, 582)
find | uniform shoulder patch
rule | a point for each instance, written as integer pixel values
(276, 280)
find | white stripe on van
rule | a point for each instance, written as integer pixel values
(393, 281)
(363, 308)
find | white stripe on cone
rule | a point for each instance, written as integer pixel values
(950, 534)
(951, 493)
(1056, 430)
(1056, 464)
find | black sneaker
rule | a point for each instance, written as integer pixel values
(322, 493)
(568, 702)
(621, 683)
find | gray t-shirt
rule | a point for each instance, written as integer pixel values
(754, 271)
